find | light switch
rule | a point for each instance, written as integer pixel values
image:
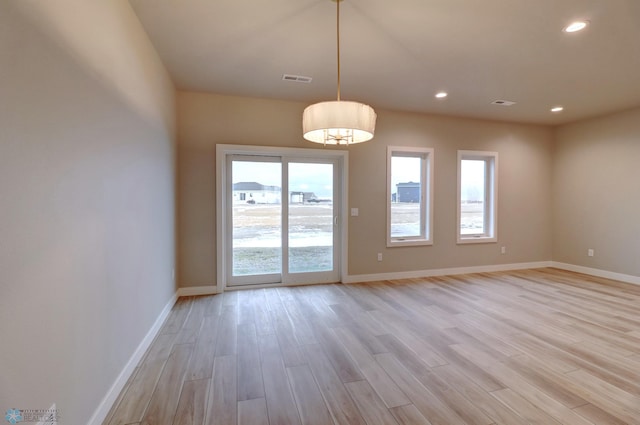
(354, 212)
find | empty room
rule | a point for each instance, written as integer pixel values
(320, 212)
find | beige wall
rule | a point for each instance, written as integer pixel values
(87, 194)
(86, 200)
(524, 184)
(596, 193)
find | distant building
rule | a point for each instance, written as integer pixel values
(408, 192)
(255, 193)
(302, 197)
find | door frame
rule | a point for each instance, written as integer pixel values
(222, 233)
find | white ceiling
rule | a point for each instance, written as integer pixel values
(398, 54)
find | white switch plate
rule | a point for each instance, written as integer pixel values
(354, 212)
(379, 256)
(590, 252)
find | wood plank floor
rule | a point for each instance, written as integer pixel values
(524, 347)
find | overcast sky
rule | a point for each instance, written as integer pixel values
(303, 177)
(317, 178)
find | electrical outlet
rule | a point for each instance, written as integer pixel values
(379, 256)
(503, 250)
(591, 252)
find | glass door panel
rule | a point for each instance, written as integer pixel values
(311, 217)
(256, 199)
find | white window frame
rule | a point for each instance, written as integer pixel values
(426, 196)
(491, 197)
(223, 203)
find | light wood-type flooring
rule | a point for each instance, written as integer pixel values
(524, 347)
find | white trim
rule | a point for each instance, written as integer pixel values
(221, 208)
(476, 239)
(211, 290)
(597, 272)
(193, 291)
(222, 204)
(445, 272)
(491, 197)
(344, 222)
(110, 398)
(273, 285)
(427, 160)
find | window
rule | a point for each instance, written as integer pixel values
(477, 196)
(409, 196)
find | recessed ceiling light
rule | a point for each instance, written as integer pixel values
(441, 95)
(557, 109)
(576, 26)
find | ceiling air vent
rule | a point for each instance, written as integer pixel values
(296, 78)
(501, 102)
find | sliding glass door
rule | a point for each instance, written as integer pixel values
(282, 220)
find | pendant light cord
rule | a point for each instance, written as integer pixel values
(338, 41)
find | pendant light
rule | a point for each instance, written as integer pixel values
(338, 122)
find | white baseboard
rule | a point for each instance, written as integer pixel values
(110, 398)
(597, 272)
(444, 272)
(192, 291)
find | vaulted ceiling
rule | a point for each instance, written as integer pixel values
(398, 54)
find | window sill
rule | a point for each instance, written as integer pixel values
(409, 242)
(476, 239)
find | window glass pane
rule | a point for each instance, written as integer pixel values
(406, 187)
(256, 218)
(310, 217)
(472, 197)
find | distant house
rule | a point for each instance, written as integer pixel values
(255, 193)
(408, 192)
(302, 197)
